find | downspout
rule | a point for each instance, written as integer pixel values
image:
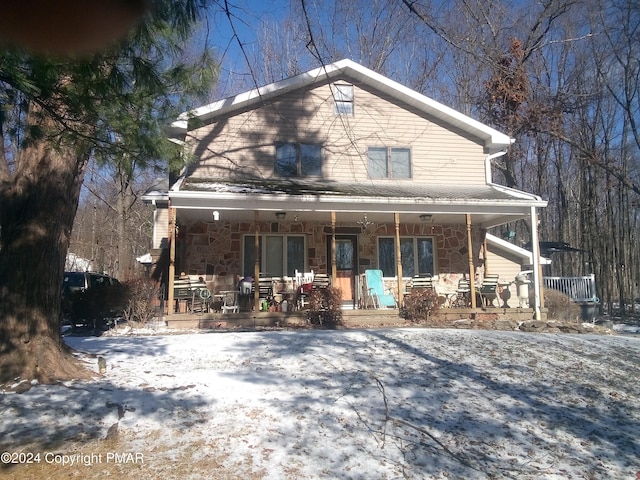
(535, 252)
(487, 165)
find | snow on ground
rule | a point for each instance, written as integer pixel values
(348, 404)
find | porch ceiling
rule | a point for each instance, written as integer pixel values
(343, 218)
(489, 205)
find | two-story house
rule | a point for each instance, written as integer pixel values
(336, 170)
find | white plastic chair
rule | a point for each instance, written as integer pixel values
(305, 278)
(230, 302)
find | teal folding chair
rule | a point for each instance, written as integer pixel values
(376, 292)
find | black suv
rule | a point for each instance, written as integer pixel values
(91, 299)
(74, 281)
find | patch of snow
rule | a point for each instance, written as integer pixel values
(626, 328)
(356, 404)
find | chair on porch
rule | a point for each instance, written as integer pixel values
(303, 287)
(200, 296)
(200, 300)
(426, 282)
(489, 289)
(374, 291)
(463, 294)
(265, 289)
(320, 280)
(304, 278)
(182, 294)
(421, 282)
(230, 301)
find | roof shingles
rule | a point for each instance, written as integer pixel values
(378, 190)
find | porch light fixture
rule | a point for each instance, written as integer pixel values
(216, 215)
(280, 215)
(425, 217)
(364, 223)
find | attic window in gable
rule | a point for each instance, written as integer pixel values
(343, 97)
(298, 160)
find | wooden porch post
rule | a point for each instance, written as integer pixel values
(172, 259)
(396, 217)
(472, 273)
(334, 268)
(256, 266)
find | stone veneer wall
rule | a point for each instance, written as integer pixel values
(214, 250)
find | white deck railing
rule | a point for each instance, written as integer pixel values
(579, 289)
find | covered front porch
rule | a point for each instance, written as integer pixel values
(222, 237)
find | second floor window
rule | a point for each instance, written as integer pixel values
(384, 162)
(298, 160)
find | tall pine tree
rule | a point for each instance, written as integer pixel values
(56, 114)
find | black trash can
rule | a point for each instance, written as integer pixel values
(588, 311)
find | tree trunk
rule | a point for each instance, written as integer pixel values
(38, 203)
(123, 207)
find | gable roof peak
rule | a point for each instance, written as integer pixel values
(493, 140)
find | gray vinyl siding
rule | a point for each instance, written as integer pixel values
(244, 144)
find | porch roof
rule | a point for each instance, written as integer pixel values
(491, 204)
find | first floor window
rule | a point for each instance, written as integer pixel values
(416, 254)
(279, 255)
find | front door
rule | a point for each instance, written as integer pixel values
(346, 264)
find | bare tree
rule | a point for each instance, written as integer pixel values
(561, 77)
(112, 227)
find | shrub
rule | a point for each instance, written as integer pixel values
(141, 300)
(421, 303)
(560, 306)
(325, 307)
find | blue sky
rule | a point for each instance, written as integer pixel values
(247, 17)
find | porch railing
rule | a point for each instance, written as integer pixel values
(579, 289)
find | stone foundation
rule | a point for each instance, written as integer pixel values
(505, 320)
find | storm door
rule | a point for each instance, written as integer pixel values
(346, 264)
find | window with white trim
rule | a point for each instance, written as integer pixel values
(389, 162)
(417, 255)
(343, 95)
(298, 160)
(280, 255)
